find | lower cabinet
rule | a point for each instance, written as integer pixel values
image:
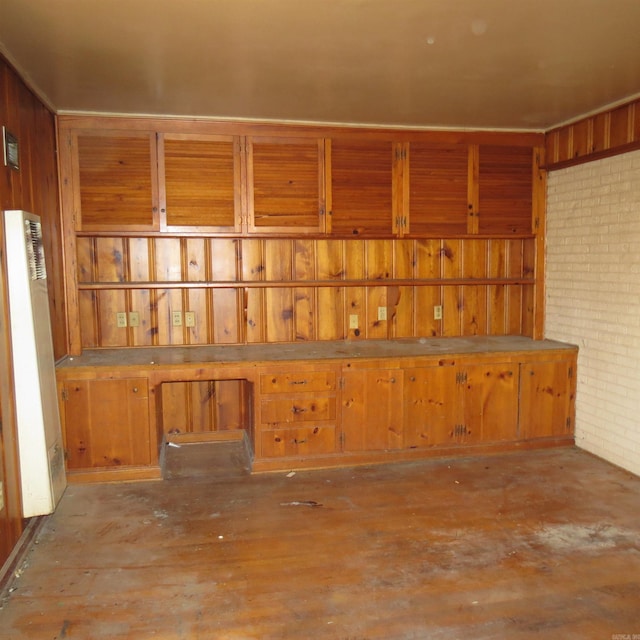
(547, 399)
(325, 411)
(106, 423)
(419, 407)
(296, 411)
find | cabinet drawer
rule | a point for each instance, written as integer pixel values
(297, 382)
(298, 441)
(297, 409)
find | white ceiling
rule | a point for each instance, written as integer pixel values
(507, 64)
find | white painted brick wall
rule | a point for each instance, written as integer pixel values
(593, 298)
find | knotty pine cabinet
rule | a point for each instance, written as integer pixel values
(105, 423)
(297, 411)
(285, 185)
(143, 181)
(547, 398)
(323, 404)
(429, 406)
(199, 179)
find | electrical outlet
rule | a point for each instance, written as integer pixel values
(437, 312)
(121, 319)
(353, 321)
(382, 313)
(189, 318)
(176, 318)
(134, 319)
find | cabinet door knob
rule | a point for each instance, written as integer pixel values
(135, 389)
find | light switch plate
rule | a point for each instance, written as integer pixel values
(353, 321)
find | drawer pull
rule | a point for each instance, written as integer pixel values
(298, 382)
(296, 441)
(295, 409)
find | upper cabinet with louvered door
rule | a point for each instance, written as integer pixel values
(360, 189)
(200, 183)
(285, 185)
(505, 186)
(439, 190)
(115, 182)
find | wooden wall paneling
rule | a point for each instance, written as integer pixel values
(140, 302)
(400, 299)
(496, 293)
(230, 405)
(537, 244)
(452, 300)
(111, 260)
(225, 254)
(168, 259)
(202, 396)
(635, 117)
(86, 260)
(505, 189)
(474, 297)
(551, 146)
(138, 259)
(361, 187)
(356, 304)
(600, 136)
(116, 186)
(166, 302)
(582, 138)
(376, 301)
(438, 189)
(252, 268)
(354, 259)
(425, 298)
(227, 310)
(329, 259)
(279, 301)
(88, 312)
(401, 311)
(176, 417)
(565, 143)
(196, 259)
(197, 302)
(621, 126)
(378, 267)
(285, 182)
(332, 317)
(110, 302)
(199, 182)
(304, 269)
(514, 292)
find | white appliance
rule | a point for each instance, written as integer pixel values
(39, 434)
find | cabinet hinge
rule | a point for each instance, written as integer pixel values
(65, 395)
(570, 372)
(341, 439)
(461, 377)
(341, 383)
(568, 424)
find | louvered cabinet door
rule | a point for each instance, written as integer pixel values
(115, 181)
(360, 184)
(285, 185)
(505, 186)
(439, 198)
(199, 183)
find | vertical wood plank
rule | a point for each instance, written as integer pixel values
(330, 321)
